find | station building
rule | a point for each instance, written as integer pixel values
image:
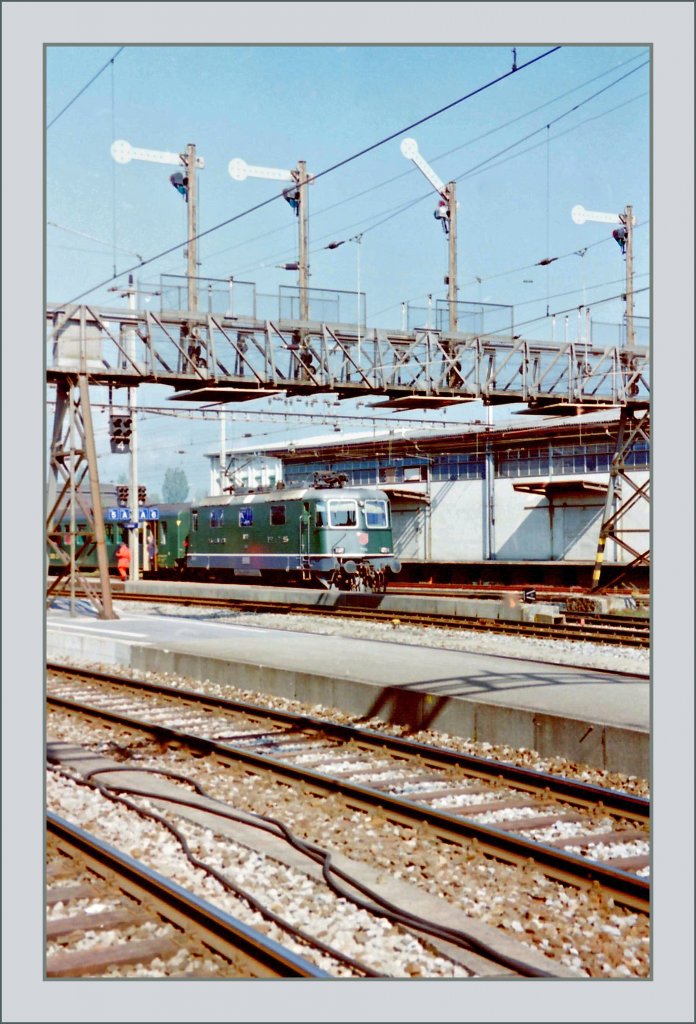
(516, 492)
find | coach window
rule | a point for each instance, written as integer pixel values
(194, 521)
(343, 514)
(277, 515)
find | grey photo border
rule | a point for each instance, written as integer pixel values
(27, 28)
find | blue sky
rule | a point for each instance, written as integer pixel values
(572, 128)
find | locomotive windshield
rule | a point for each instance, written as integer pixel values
(343, 513)
(376, 515)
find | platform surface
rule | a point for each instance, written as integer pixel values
(375, 677)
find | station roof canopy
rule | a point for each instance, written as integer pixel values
(400, 492)
(210, 393)
(419, 402)
(564, 409)
(556, 488)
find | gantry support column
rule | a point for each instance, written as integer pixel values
(631, 428)
(73, 459)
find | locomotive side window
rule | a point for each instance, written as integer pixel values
(376, 515)
(277, 515)
(246, 516)
(343, 513)
(215, 518)
(194, 521)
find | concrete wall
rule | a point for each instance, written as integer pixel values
(527, 526)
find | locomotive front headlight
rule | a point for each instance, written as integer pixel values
(338, 551)
(384, 551)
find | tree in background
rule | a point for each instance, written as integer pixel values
(175, 486)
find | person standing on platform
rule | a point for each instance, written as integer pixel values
(123, 560)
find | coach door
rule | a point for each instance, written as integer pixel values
(304, 541)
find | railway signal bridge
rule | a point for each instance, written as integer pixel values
(214, 357)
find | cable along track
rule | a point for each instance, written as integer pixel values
(515, 814)
(143, 918)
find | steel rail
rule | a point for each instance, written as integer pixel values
(564, 631)
(227, 935)
(624, 887)
(582, 794)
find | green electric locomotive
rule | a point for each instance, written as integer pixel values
(323, 535)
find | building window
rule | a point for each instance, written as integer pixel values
(457, 467)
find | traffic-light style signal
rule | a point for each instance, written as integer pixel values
(122, 495)
(121, 429)
(180, 183)
(142, 494)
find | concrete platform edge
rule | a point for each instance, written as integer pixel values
(596, 744)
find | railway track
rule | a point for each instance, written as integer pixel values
(108, 914)
(575, 833)
(589, 629)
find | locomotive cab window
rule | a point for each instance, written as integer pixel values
(277, 515)
(343, 514)
(194, 520)
(376, 515)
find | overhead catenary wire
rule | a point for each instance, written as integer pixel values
(320, 174)
(86, 86)
(437, 156)
(486, 164)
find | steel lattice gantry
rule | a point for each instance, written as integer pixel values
(634, 425)
(205, 357)
(73, 460)
(239, 353)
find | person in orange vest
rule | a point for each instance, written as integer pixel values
(123, 560)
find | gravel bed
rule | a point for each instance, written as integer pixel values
(582, 930)
(582, 655)
(307, 904)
